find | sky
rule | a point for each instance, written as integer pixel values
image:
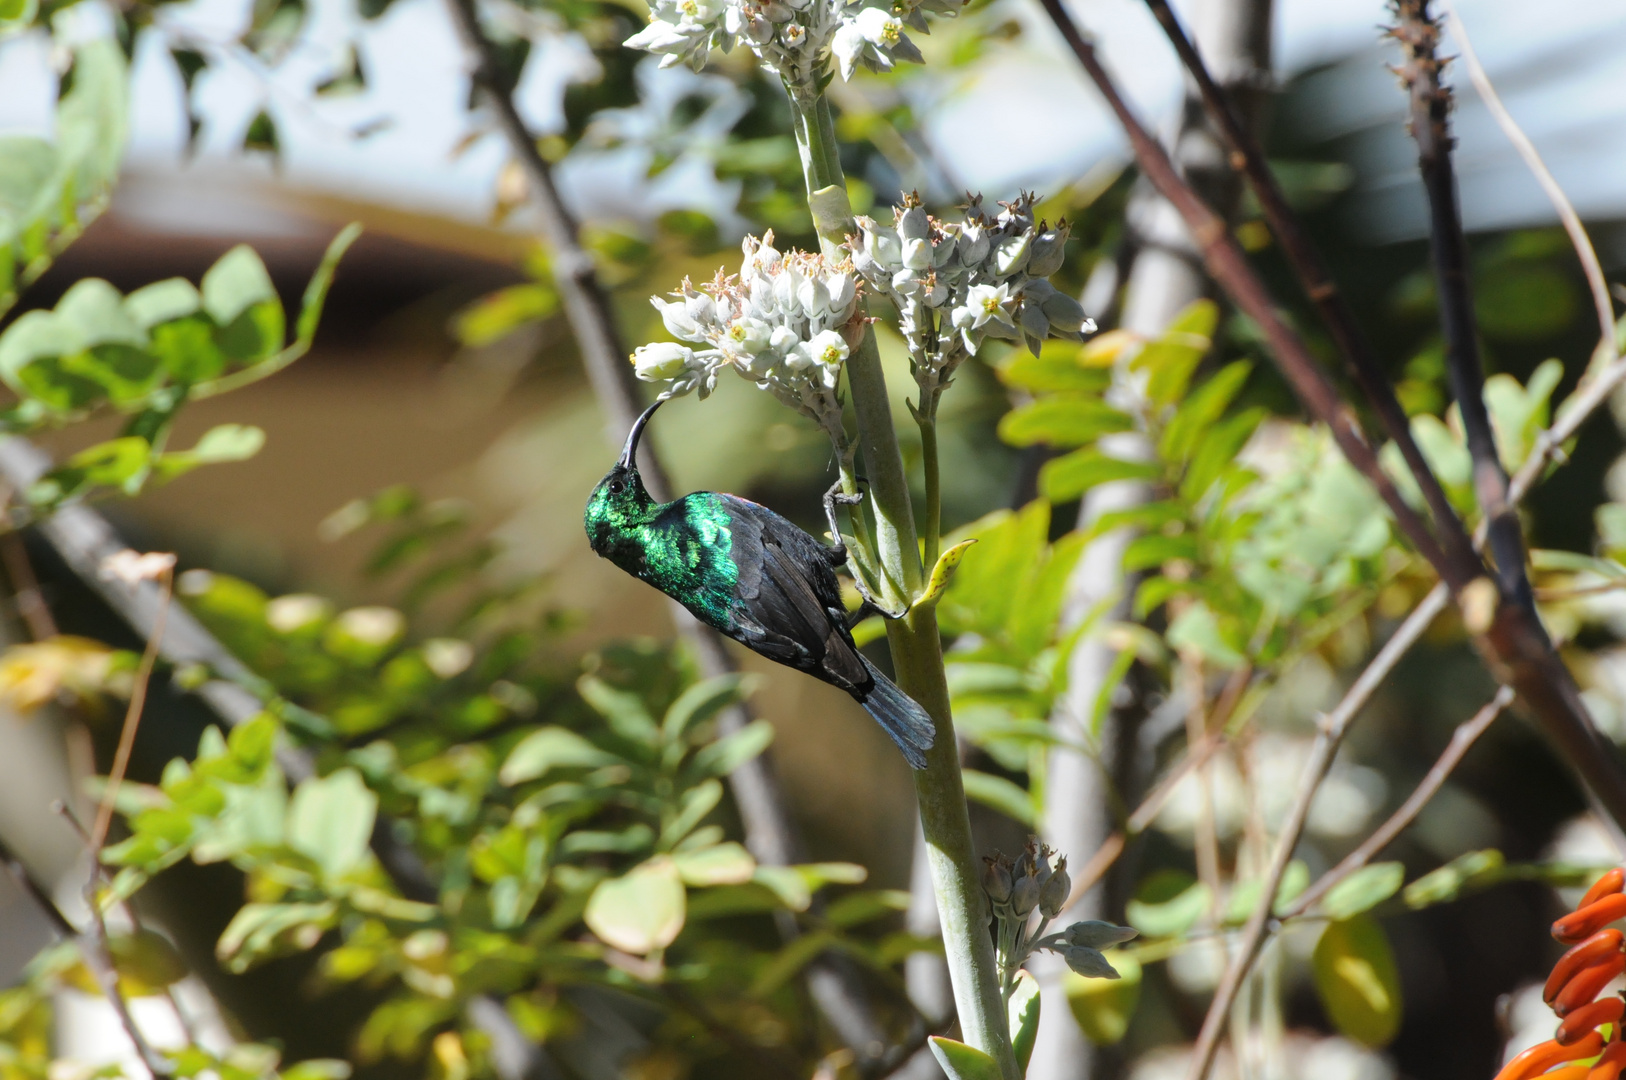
(1558, 74)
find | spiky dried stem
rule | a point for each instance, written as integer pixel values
(1318, 284)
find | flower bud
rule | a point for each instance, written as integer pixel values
(1049, 250)
(1055, 890)
(917, 254)
(1012, 254)
(913, 224)
(996, 879)
(1065, 313)
(1024, 895)
(1095, 934)
(661, 360)
(677, 319)
(973, 244)
(1088, 962)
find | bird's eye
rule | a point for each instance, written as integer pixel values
(616, 486)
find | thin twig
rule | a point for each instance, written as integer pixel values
(132, 718)
(1463, 738)
(25, 586)
(1229, 267)
(98, 954)
(1555, 194)
(37, 892)
(1334, 726)
(1317, 282)
(1103, 858)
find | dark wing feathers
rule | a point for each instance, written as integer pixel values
(790, 607)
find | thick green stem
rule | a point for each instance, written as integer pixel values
(917, 652)
(934, 492)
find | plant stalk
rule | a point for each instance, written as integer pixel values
(917, 653)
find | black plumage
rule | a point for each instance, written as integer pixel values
(752, 575)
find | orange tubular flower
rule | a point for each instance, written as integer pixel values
(1587, 953)
(1543, 1056)
(1610, 1065)
(1584, 987)
(1583, 923)
(1612, 882)
(1588, 1017)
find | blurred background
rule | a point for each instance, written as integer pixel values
(363, 115)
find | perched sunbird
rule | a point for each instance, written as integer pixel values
(752, 575)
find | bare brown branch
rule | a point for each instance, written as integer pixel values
(1462, 739)
(1317, 283)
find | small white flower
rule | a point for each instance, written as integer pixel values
(986, 302)
(749, 335)
(372, 625)
(828, 348)
(662, 360)
(677, 319)
(879, 27)
(793, 35)
(846, 46)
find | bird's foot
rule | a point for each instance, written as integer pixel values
(871, 604)
(838, 546)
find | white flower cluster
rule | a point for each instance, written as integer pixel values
(795, 39)
(955, 285)
(787, 323)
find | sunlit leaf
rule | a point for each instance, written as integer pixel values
(1357, 982)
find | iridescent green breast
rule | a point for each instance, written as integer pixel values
(688, 555)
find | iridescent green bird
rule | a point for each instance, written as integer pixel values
(752, 575)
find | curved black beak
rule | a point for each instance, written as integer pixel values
(630, 451)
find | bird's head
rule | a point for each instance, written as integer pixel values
(620, 502)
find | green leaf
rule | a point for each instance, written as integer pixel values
(641, 911)
(722, 864)
(162, 301)
(315, 298)
(1363, 890)
(1245, 894)
(1053, 369)
(1168, 904)
(696, 803)
(261, 930)
(1061, 421)
(496, 315)
(1104, 1007)
(943, 572)
(1474, 870)
(1071, 475)
(962, 1062)
(1198, 628)
(1002, 795)
(330, 820)
(1356, 980)
(18, 11)
(547, 749)
(1147, 552)
(623, 709)
(702, 701)
(1201, 409)
(729, 753)
(220, 444)
(1022, 1012)
(1170, 360)
(239, 297)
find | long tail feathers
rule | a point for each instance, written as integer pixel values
(901, 717)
